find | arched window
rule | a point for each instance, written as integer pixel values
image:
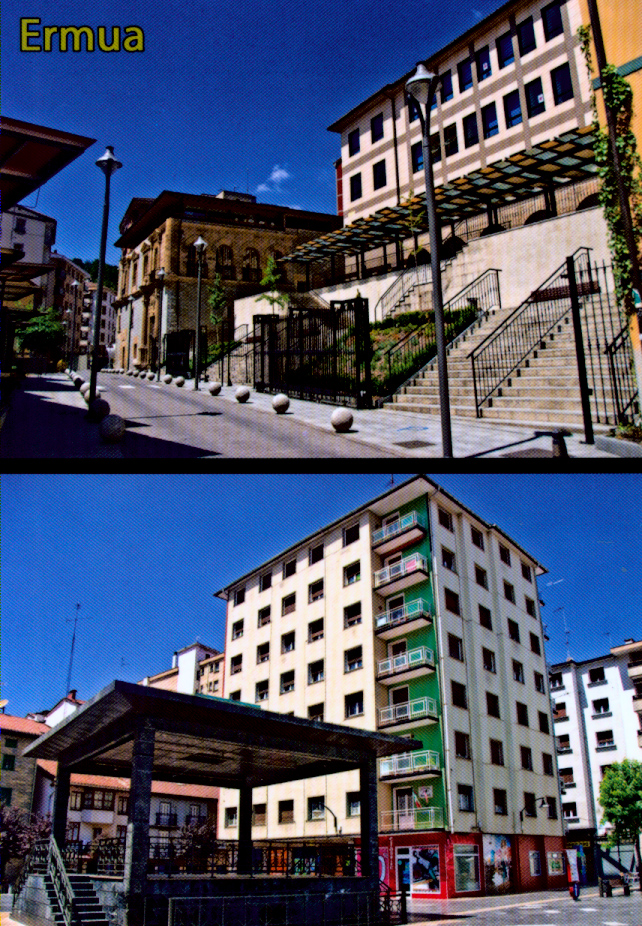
(192, 262)
(225, 262)
(251, 266)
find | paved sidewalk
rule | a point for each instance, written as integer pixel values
(56, 426)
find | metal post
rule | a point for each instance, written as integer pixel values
(197, 345)
(579, 351)
(129, 332)
(160, 324)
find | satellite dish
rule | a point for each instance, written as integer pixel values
(4, 703)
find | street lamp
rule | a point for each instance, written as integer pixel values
(160, 276)
(129, 332)
(199, 245)
(108, 164)
(421, 89)
(75, 286)
(543, 801)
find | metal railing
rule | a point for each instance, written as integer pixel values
(625, 395)
(402, 615)
(399, 288)
(330, 908)
(36, 860)
(412, 659)
(409, 763)
(418, 709)
(62, 884)
(398, 527)
(415, 818)
(414, 563)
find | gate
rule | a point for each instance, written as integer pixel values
(179, 351)
(317, 354)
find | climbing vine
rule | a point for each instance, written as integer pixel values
(618, 96)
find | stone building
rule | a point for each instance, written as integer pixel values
(18, 771)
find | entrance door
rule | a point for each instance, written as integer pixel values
(405, 809)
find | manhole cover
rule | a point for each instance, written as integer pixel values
(413, 444)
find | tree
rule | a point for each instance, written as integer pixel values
(43, 334)
(271, 280)
(19, 830)
(110, 276)
(621, 799)
(217, 300)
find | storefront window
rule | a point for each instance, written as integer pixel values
(556, 863)
(418, 869)
(536, 864)
(466, 868)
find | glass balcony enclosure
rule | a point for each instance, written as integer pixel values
(418, 712)
(417, 818)
(397, 576)
(410, 616)
(399, 533)
(407, 765)
(411, 664)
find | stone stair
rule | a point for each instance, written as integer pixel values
(41, 900)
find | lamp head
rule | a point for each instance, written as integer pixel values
(108, 163)
(419, 84)
(200, 244)
(160, 274)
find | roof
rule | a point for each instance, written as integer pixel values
(22, 725)
(206, 741)
(32, 154)
(411, 488)
(170, 788)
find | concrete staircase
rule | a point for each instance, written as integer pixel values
(40, 901)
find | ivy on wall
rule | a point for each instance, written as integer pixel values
(618, 97)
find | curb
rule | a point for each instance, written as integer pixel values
(619, 448)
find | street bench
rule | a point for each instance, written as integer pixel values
(625, 882)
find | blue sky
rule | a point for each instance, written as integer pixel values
(143, 555)
(225, 96)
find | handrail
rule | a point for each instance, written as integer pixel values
(62, 884)
(622, 380)
(39, 852)
(411, 276)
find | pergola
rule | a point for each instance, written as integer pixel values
(146, 734)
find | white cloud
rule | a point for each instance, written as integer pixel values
(277, 177)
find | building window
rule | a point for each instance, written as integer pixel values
(455, 647)
(352, 573)
(315, 630)
(552, 808)
(265, 581)
(259, 814)
(492, 704)
(262, 691)
(355, 187)
(287, 642)
(501, 802)
(315, 672)
(466, 859)
(539, 682)
(236, 664)
(448, 560)
(534, 97)
(239, 596)
(512, 109)
(562, 84)
(605, 738)
(471, 132)
(353, 804)
(350, 534)
(315, 555)
(352, 614)
(496, 752)
(513, 630)
(505, 53)
(527, 572)
(264, 616)
(315, 712)
(354, 704)
(535, 645)
(462, 745)
(509, 592)
(596, 675)
(417, 156)
(569, 810)
(530, 606)
(522, 713)
(376, 127)
(289, 568)
(8, 763)
(451, 145)
(485, 618)
(286, 811)
(544, 726)
(5, 796)
(482, 59)
(465, 796)
(316, 808)
(237, 629)
(98, 800)
(75, 800)
(445, 519)
(315, 591)
(446, 86)
(552, 21)
(435, 148)
(504, 554)
(263, 652)
(518, 672)
(452, 601)
(288, 604)
(526, 36)
(601, 706)
(481, 576)
(488, 660)
(353, 659)
(465, 71)
(527, 758)
(530, 808)
(379, 175)
(354, 142)
(547, 763)
(287, 682)
(459, 694)
(413, 112)
(564, 743)
(555, 680)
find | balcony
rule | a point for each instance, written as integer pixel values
(397, 576)
(191, 820)
(409, 765)
(398, 535)
(417, 713)
(166, 819)
(412, 616)
(635, 670)
(637, 704)
(417, 818)
(414, 663)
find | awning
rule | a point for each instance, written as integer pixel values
(566, 159)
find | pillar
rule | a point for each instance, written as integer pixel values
(60, 805)
(138, 828)
(369, 826)
(244, 866)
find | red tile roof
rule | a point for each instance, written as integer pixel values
(170, 788)
(22, 725)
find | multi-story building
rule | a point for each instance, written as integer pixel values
(107, 330)
(410, 614)
(196, 669)
(595, 725)
(18, 772)
(241, 235)
(70, 284)
(632, 650)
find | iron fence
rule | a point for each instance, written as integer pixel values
(300, 909)
(317, 354)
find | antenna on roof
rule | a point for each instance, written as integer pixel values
(392, 480)
(73, 643)
(567, 632)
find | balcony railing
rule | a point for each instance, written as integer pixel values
(419, 658)
(411, 711)
(414, 610)
(410, 522)
(410, 763)
(166, 819)
(416, 818)
(405, 567)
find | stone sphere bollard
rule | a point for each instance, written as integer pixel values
(112, 429)
(242, 394)
(130, 372)
(136, 373)
(78, 381)
(151, 377)
(341, 420)
(167, 378)
(179, 381)
(280, 403)
(84, 387)
(215, 388)
(99, 409)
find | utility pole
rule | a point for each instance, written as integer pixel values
(73, 643)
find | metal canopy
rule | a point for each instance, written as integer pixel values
(561, 160)
(205, 740)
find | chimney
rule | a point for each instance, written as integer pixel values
(72, 694)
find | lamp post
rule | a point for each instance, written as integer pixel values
(108, 164)
(200, 244)
(129, 332)
(75, 286)
(160, 276)
(421, 89)
(543, 801)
